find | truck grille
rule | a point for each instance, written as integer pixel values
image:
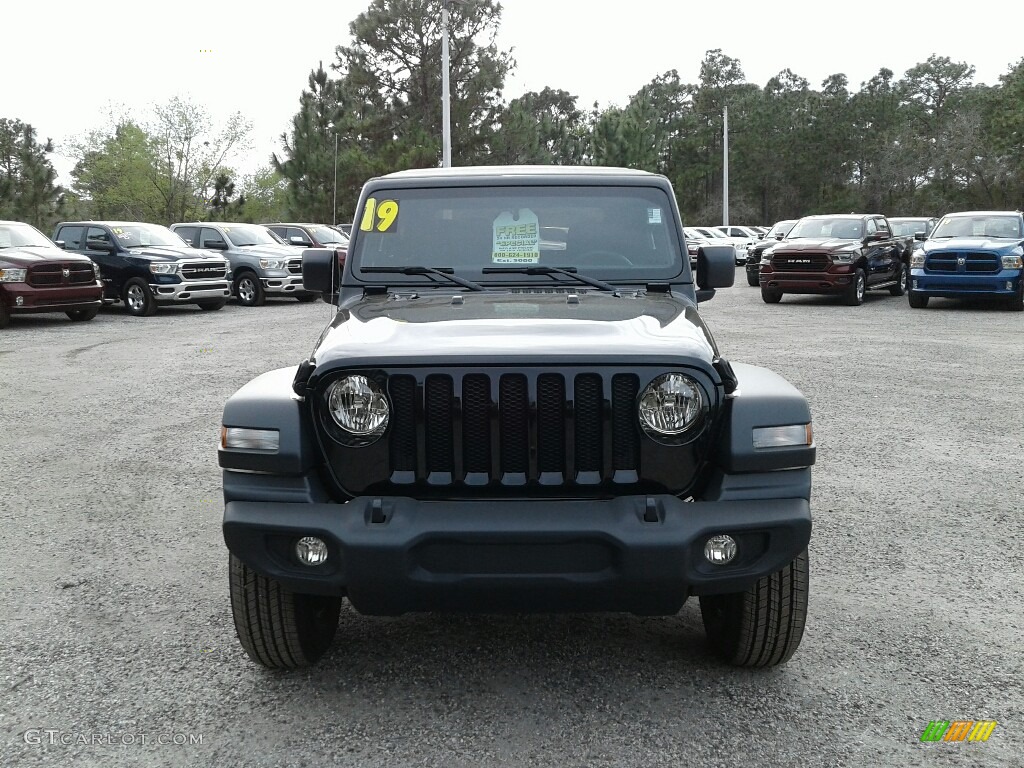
(204, 270)
(810, 262)
(981, 263)
(295, 266)
(49, 275)
(514, 428)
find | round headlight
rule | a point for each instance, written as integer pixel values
(671, 404)
(358, 406)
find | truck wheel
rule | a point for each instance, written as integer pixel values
(138, 299)
(763, 626)
(917, 301)
(770, 295)
(82, 315)
(212, 305)
(752, 279)
(1017, 302)
(901, 284)
(249, 290)
(278, 628)
(5, 315)
(854, 295)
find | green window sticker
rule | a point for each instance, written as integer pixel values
(516, 238)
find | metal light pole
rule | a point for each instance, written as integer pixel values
(334, 208)
(446, 107)
(725, 166)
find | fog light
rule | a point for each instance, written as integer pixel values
(20, 301)
(720, 550)
(310, 550)
(1009, 285)
(915, 285)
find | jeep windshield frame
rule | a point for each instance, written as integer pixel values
(619, 234)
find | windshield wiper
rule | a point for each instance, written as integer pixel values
(568, 271)
(445, 272)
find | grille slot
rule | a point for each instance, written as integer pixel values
(476, 423)
(438, 402)
(514, 411)
(403, 432)
(588, 422)
(550, 423)
(626, 446)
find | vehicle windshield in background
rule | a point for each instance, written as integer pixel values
(242, 235)
(782, 227)
(977, 226)
(328, 236)
(615, 232)
(842, 229)
(23, 236)
(145, 235)
(909, 228)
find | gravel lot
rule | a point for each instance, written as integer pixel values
(116, 625)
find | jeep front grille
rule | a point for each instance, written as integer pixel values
(811, 262)
(50, 275)
(204, 270)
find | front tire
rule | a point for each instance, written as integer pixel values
(917, 301)
(138, 299)
(770, 295)
(212, 305)
(83, 315)
(278, 628)
(1016, 304)
(5, 315)
(752, 279)
(901, 284)
(763, 626)
(854, 296)
(249, 290)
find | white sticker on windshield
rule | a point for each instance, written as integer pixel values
(516, 238)
(654, 215)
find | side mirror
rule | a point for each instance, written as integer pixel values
(100, 245)
(716, 268)
(320, 271)
(880, 234)
(779, 235)
(60, 244)
(920, 235)
(297, 240)
(216, 245)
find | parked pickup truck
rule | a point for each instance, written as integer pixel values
(842, 255)
(975, 254)
(517, 407)
(147, 265)
(36, 276)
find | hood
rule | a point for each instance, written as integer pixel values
(270, 251)
(997, 245)
(814, 244)
(173, 253)
(530, 327)
(26, 257)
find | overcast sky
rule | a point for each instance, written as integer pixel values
(63, 63)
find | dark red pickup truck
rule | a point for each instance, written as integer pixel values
(37, 276)
(843, 255)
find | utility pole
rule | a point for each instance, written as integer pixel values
(725, 166)
(446, 107)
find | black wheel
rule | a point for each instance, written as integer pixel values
(1017, 302)
(752, 279)
(82, 315)
(771, 295)
(5, 315)
(249, 290)
(278, 628)
(917, 301)
(901, 284)
(763, 626)
(138, 299)
(211, 305)
(305, 298)
(854, 295)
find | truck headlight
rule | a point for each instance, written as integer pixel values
(96, 270)
(917, 260)
(164, 267)
(844, 257)
(12, 275)
(358, 406)
(670, 405)
(1012, 262)
(273, 263)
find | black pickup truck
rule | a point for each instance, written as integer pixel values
(517, 407)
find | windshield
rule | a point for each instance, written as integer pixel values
(145, 235)
(711, 233)
(828, 228)
(782, 228)
(23, 236)
(328, 236)
(242, 235)
(1000, 226)
(908, 227)
(606, 232)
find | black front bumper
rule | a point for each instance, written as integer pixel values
(642, 554)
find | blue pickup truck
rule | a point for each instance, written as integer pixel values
(974, 254)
